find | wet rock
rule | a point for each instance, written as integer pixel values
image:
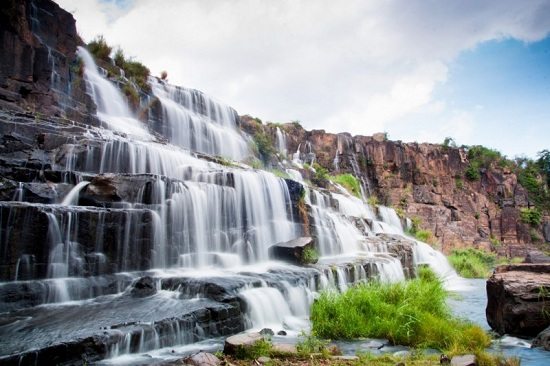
(464, 360)
(267, 332)
(402, 249)
(293, 251)
(263, 359)
(143, 287)
(281, 333)
(536, 256)
(542, 339)
(241, 341)
(516, 299)
(202, 359)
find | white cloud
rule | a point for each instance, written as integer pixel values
(356, 66)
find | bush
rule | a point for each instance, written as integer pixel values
(424, 235)
(99, 48)
(264, 145)
(137, 72)
(472, 263)
(321, 177)
(309, 256)
(531, 216)
(413, 313)
(349, 182)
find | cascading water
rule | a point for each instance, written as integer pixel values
(200, 231)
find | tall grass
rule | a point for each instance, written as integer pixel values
(411, 313)
(472, 263)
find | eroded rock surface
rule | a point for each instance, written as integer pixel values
(518, 299)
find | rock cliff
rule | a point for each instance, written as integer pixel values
(421, 180)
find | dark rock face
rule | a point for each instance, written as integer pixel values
(402, 249)
(143, 287)
(518, 298)
(292, 251)
(546, 231)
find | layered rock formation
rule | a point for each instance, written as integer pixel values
(518, 298)
(423, 180)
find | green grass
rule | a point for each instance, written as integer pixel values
(263, 347)
(412, 313)
(349, 182)
(472, 263)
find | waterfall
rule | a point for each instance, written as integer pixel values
(72, 197)
(281, 142)
(111, 107)
(197, 122)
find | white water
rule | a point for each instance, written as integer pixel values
(281, 142)
(111, 106)
(72, 197)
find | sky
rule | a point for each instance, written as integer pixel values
(421, 70)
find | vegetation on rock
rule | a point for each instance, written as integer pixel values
(99, 48)
(472, 263)
(412, 313)
(349, 182)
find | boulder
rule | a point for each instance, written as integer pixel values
(241, 341)
(293, 251)
(542, 340)
(267, 332)
(202, 359)
(143, 287)
(546, 231)
(517, 299)
(464, 360)
(536, 256)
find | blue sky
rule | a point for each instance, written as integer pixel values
(421, 70)
(504, 88)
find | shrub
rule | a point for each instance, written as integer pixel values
(321, 177)
(531, 216)
(132, 95)
(373, 201)
(309, 256)
(425, 235)
(264, 145)
(472, 263)
(137, 72)
(119, 58)
(99, 48)
(412, 313)
(349, 182)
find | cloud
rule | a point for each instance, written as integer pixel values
(358, 66)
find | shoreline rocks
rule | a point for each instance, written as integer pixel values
(518, 299)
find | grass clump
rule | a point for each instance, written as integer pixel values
(263, 347)
(349, 182)
(309, 256)
(413, 313)
(99, 48)
(531, 216)
(472, 263)
(321, 176)
(263, 145)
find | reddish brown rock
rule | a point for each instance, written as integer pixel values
(518, 298)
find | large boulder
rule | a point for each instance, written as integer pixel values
(518, 299)
(536, 256)
(542, 339)
(240, 342)
(296, 251)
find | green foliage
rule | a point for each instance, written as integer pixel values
(119, 58)
(263, 347)
(481, 157)
(531, 216)
(412, 313)
(532, 179)
(373, 201)
(280, 173)
(132, 94)
(459, 183)
(424, 235)
(309, 256)
(321, 176)
(349, 182)
(138, 73)
(472, 263)
(309, 343)
(495, 242)
(264, 145)
(544, 164)
(99, 48)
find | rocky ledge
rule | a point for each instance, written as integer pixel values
(518, 299)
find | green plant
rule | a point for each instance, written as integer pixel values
(264, 145)
(472, 263)
(495, 242)
(99, 48)
(309, 343)
(132, 94)
(137, 72)
(411, 313)
(119, 58)
(262, 347)
(373, 201)
(531, 216)
(459, 183)
(321, 176)
(279, 173)
(448, 142)
(425, 235)
(349, 182)
(309, 256)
